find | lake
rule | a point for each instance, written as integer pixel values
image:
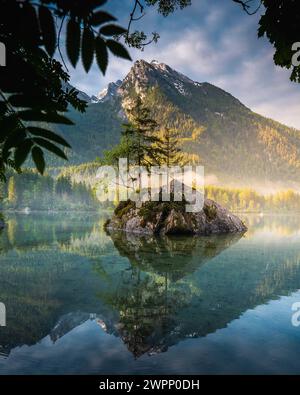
(79, 301)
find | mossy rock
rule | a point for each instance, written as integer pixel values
(210, 211)
(171, 218)
(123, 208)
(150, 210)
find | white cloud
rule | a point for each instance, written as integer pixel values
(220, 46)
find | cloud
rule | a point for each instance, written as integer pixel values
(214, 42)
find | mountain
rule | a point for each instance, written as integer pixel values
(81, 95)
(234, 144)
(110, 92)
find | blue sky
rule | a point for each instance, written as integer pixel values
(213, 41)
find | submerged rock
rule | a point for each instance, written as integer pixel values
(166, 218)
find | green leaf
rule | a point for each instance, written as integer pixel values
(7, 125)
(26, 101)
(118, 49)
(3, 108)
(30, 30)
(14, 139)
(101, 17)
(88, 45)
(36, 116)
(112, 30)
(101, 54)
(50, 147)
(47, 134)
(38, 158)
(97, 3)
(48, 29)
(73, 41)
(22, 152)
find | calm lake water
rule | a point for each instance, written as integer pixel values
(79, 301)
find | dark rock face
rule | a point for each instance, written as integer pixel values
(1, 224)
(167, 218)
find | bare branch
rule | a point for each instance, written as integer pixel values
(132, 16)
(58, 42)
(246, 5)
(137, 39)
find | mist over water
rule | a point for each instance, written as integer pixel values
(81, 301)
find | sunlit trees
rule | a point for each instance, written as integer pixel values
(170, 154)
(11, 191)
(248, 200)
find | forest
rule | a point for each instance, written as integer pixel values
(248, 200)
(29, 190)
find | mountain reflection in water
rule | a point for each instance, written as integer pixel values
(57, 275)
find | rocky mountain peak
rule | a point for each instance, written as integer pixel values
(215, 128)
(110, 92)
(144, 75)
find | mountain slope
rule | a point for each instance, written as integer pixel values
(217, 130)
(228, 138)
(97, 129)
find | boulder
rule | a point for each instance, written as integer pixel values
(167, 218)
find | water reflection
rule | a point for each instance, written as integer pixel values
(175, 256)
(278, 225)
(152, 293)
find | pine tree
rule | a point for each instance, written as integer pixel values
(122, 150)
(141, 130)
(139, 142)
(170, 154)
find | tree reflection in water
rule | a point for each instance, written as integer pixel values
(58, 272)
(149, 296)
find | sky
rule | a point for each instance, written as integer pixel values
(211, 41)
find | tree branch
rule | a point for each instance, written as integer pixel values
(246, 7)
(58, 42)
